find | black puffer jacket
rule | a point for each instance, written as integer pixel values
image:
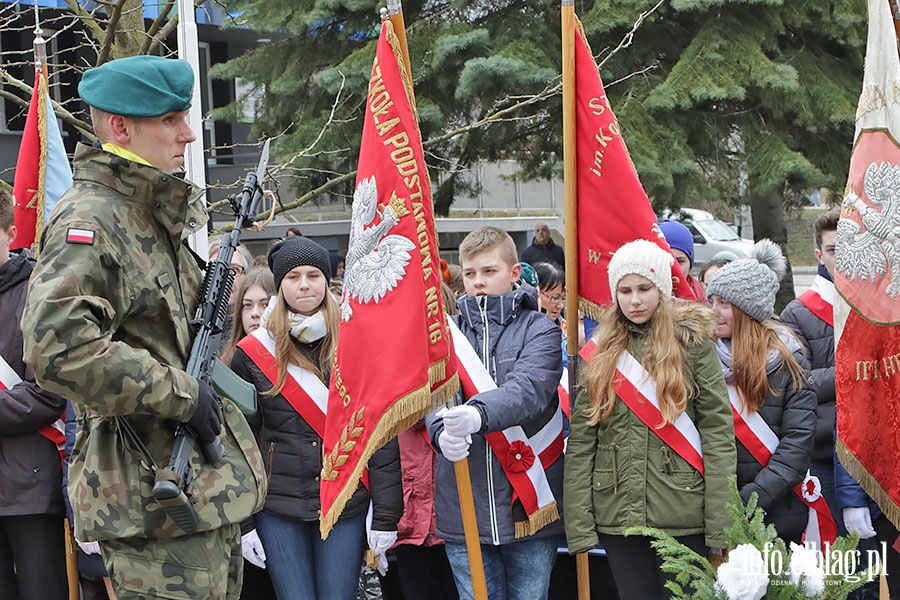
(292, 452)
(791, 414)
(817, 337)
(30, 467)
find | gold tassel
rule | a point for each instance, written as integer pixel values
(868, 483)
(538, 520)
(590, 309)
(40, 193)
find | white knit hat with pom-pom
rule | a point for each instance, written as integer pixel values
(751, 283)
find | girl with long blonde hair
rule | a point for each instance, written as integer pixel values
(626, 465)
(289, 361)
(763, 361)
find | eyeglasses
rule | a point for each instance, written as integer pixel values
(555, 298)
(236, 270)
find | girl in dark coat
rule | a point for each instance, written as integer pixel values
(297, 340)
(763, 361)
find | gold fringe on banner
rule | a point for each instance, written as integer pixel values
(540, 519)
(407, 84)
(590, 309)
(40, 193)
(868, 483)
(401, 415)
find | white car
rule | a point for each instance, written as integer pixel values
(711, 235)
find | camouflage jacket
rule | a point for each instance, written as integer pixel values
(107, 325)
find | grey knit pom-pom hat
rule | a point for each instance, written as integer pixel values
(751, 283)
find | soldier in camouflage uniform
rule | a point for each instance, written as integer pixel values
(107, 325)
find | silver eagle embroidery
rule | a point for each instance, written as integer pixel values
(867, 254)
(376, 261)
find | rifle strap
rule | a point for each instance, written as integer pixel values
(132, 441)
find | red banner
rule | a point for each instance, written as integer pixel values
(613, 208)
(42, 169)
(867, 279)
(393, 357)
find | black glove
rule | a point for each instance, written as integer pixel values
(207, 419)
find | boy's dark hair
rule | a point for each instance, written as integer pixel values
(826, 222)
(7, 213)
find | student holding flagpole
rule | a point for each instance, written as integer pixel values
(651, 441)
(289, 359)
(773, 403)
(510, 427)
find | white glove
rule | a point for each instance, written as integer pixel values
(252, 549)
(89, 547)
(462, 420)
(454, 448)
(379, 543)
(858, 519)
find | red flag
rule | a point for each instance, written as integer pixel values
(613, 208)
(867, 279)
(42, 170)
(393, 357)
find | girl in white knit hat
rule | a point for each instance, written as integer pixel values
(651, 441)
(764, 366)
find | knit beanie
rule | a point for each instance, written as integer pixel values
(294, 252)
(528, 274)
(751, 283)
(643, 258)
(679, 237)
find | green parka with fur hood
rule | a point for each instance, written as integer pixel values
(619, 474)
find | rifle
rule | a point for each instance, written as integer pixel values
(215, 293)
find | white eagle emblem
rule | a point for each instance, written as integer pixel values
(866, 254)
(375, 262)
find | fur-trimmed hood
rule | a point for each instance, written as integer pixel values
(694, 323)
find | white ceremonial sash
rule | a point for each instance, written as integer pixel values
(523, 458)
(637, 389)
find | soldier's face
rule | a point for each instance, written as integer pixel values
(161, 140)
(303, 289)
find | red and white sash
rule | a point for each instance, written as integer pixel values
(637, 389)
(819, 299)
(759, 439)
(303, 390)
(56, 431)
(523, 458)
(564, 402)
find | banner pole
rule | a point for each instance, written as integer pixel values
(470, 528)
(395, 10)
(570, 191)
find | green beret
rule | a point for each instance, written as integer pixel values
(139, 86)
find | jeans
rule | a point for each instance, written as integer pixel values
(515, 571)
(303, 566)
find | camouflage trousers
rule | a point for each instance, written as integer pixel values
(202, 565)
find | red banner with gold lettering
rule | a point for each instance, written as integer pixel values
(613, 208)
(393, 354)
(867, 279)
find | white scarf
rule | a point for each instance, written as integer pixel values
(304, 329)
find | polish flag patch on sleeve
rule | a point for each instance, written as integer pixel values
(80, 236)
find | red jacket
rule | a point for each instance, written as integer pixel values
(417, 524)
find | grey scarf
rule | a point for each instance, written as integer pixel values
(726, 356)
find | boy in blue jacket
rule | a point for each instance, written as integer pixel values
(510, 426)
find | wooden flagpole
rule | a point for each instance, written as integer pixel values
(570, 190)
(395, 10)
(461, 468)
(71, 549)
